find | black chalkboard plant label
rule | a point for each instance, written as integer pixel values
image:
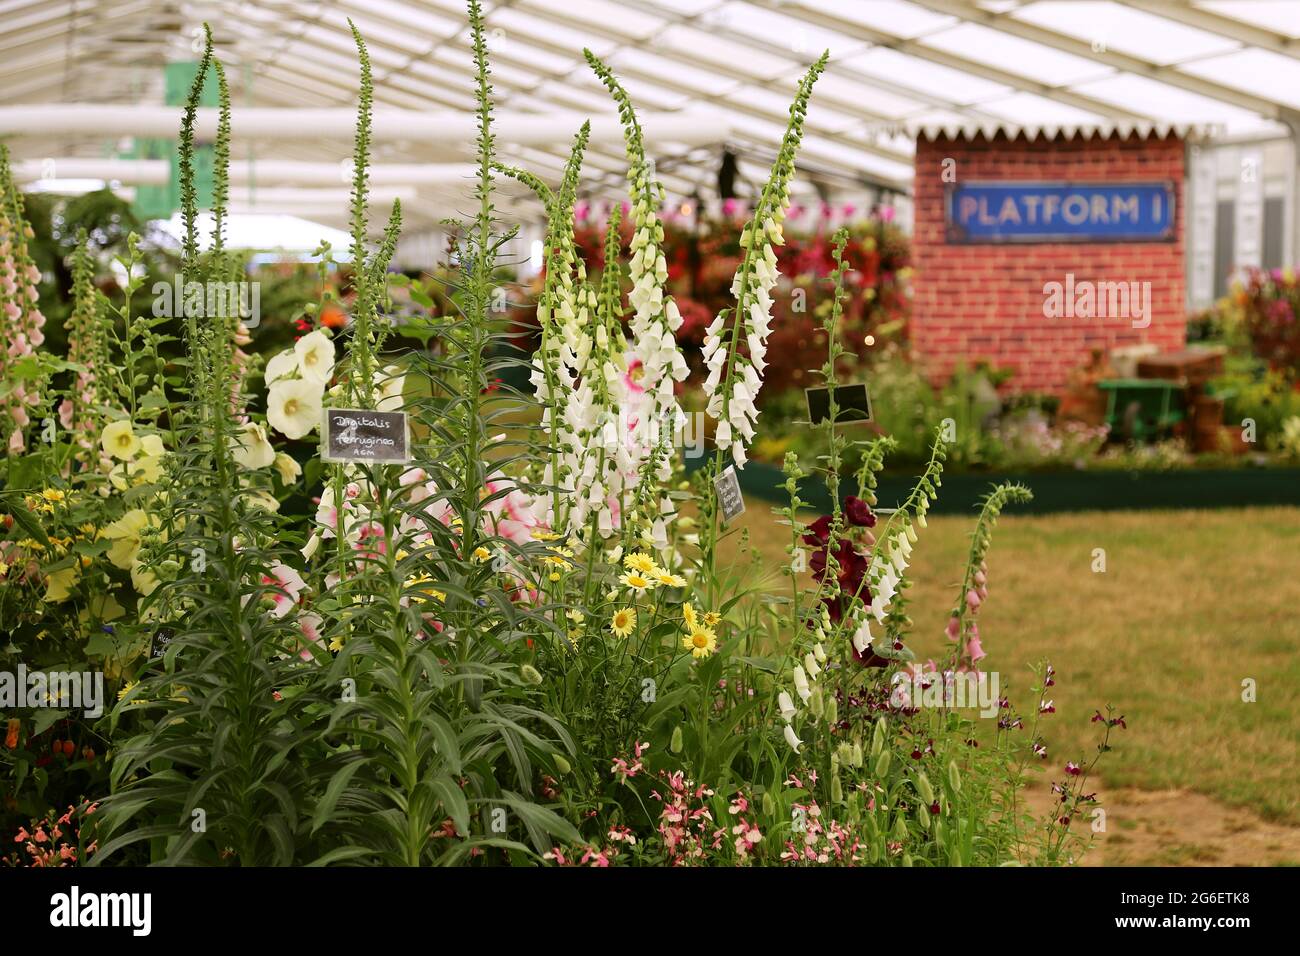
(365, 435)
(853, 400)
(161, 639)
(731, 503)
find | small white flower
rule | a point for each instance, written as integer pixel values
(252, 449)
(790, 738)
(810, 665)
(786, 705)
(801, 684)
(862, 637)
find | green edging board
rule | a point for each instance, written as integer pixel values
(1058, 491)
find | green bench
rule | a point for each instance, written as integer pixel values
(1142, 408)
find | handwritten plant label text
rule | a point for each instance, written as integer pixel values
(852, 401)
(161, 638)
(362, 434)
(731, 502)
(997, 212)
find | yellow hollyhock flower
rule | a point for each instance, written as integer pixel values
(59, 584)
(623, 621)
(701, 642)
(119, 441)
(287, 468)
(143, 580)
(126, 533)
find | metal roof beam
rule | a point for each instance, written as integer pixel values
(1121, 61)
(1226, 27)
(985, 71)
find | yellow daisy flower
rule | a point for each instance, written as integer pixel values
(688, 614)
(637, 582)
(701, 642)
(482, 554)
(668, 579)
(712, 619)
(640, 562)
(539, 535)
(574, 615)
(623, 621)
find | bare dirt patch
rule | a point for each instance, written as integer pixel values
(1179, 828)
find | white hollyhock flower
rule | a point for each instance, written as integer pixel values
(315, 354)
(282, 365)
(252, 449)
(293, 407)
(390, 384)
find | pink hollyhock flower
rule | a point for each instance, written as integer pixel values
(310, 625)
(289, 584)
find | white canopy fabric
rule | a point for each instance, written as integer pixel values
(1227, 69)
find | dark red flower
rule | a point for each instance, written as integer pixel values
(819, 532)
(859, 512)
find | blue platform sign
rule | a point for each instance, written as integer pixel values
(1024, 212)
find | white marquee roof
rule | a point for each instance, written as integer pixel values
(1215, 68)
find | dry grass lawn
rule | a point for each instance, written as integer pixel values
(1191, 604)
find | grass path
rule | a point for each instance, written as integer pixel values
(1191, 604)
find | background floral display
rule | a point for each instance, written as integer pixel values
(529, 644)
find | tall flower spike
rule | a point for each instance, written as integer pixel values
(552, 375)
(655, 317)
(21, 321)
(735, 375)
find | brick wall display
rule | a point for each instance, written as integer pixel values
(986, 302)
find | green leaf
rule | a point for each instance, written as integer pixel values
(453, 802)
(29, 523)
(338, 783)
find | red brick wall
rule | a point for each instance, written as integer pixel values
(986, 301)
